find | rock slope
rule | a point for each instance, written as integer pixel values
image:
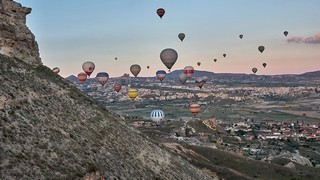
(50, 130)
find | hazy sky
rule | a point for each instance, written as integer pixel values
(70, 32)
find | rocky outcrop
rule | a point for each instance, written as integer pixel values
(50, 130)
(16, 40)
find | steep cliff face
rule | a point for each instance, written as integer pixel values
(49, 129)
(16, 40)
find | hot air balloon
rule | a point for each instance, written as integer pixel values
(200, 81)
(148, 67)
(135, 69)
(254, 70)
(160, 12)
(285, 33)
(183, 78)
(157, 116)
(168, 57)
(261, 48)
(102, 77)
(82, 77)
(88, 67)
(198, 63)
(240, 36)
(56, 70)
(194, 109)
(224, 55)
(264, 65)
(117, 86)
(161, 74)
(115, 58)
(132, 93)
(181, 36)
(188, 70)
(215, 60)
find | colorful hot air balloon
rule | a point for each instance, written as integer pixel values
(198, 63)
(261, 48)
(240, 36)
(215, 60)
(183, 78)
(188, 71)
(224, 55)
(161, 74)
(88, 67)
(168, 57)
(264, 65)
(181, 36)
(117, 86)
(82, 77)
(157, 116)
(254, 70)
(194, 109)
(102, 77)
(160, 12)
(285, 33)
(200, 81)
(132, 93)
(135, 69)
(56, 70)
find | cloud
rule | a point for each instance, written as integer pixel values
(308, 40)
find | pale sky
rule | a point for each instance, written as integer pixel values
(70, 32)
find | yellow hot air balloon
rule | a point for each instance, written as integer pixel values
(132, 93)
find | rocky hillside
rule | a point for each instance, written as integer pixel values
(49, 129)
(16, 40)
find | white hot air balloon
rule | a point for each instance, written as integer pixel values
(183, 78)
(188, 70)
(157, 116)
(88, 67)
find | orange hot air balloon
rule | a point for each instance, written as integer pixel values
(132, 93)
(188, 71)
(160, 12)
(117, 86)
(82, 77)
(194, 109)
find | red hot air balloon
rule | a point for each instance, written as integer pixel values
(82, 77)
(117, 86)
(194, 109)
(188, 71)
(160, 12)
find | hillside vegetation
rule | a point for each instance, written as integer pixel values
(50, 130)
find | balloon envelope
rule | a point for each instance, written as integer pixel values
(148, 67)
(160, 12)
(240, 36)
(261, 48)
(181, 36)
(200, 81)
(56, 70)
(194, 109)
(88, 67)
(224, 55)
(264, 65)
(161, 74)
(183, 78)
(285, 33)
(188, 71)
(82, 77)
(102, 77)
(135, 69)
(168, 57)
(132, 93)
(117, 86)
(198, 63)
(254, 70)
(157, 116)
(215, 60)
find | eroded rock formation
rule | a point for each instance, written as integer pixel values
(16, 39)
